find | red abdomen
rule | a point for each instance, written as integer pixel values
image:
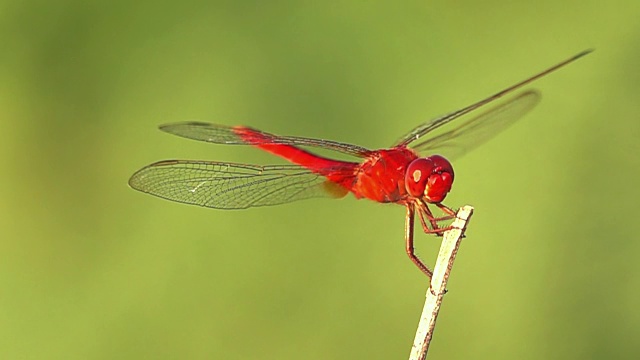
(380, 177)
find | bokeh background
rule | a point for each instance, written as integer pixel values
(91, 269)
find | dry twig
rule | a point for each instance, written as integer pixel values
(448, 250)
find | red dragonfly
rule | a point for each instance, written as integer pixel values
(394, 175)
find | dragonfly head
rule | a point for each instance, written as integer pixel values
(429, 178)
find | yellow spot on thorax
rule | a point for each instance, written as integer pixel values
(334, 190)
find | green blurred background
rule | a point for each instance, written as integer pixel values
(91, 269)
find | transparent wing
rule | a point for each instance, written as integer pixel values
(434, 124)
(479, 129)
(231, 186)
(239, 135)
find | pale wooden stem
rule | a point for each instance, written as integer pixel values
(448, 250)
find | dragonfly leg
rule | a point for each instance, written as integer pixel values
(408, 237)
(447, 210)
(424, 211)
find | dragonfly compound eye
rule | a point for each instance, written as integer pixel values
(430, 178)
